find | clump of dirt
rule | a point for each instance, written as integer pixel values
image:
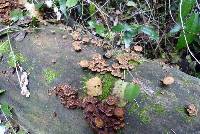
(105, 117)
(99, 64)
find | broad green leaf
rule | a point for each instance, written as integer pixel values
(192, 28)
(91, 24)
(186, 8)
(4, 47)
(16, 15)
(118, 28)
(6, 109)
(128, 37)
(92, 9)
(71, 3)
(131, 4)
(175, 29)
(100, 29)
(63, 9)
(2, 91)
(131, 92)
(150, 32)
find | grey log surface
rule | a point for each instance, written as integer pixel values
(161, 109)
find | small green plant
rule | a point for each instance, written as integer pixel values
(131, 92)
(50, 75)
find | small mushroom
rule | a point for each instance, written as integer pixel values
(192, 110)
(112, 100)
(76, 45)
(138, 48)
(84, 63)
(98, 122)
(119, 112)
(168, 80)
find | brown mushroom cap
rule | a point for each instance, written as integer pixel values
(119, 112)
(84, 63)
(138, 48)
(192, 110)
(98, 122)
(168, 80)
(112, 100)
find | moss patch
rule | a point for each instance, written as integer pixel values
(16, 58)
(108, 83)
(50, 75)
(158, 109)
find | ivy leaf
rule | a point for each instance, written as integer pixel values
(63, 9)
(186, 7)
(16, 15)
(131, 4)
(2, 91)
(128, 37)
(150, 32)
(131, 92)
(71, 3)
(100, 29)
(6, 109)
(4, 47)
(175, 29)
(118, 28)
(192, 27)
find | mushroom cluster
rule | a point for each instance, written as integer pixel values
(68, 96)
(98, 64)
(104, 117)
(192, 110)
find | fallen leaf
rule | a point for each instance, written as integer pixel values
(94, 86)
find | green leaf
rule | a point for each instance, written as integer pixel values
(4, 47)
(128, 37)
(92, 9)
(15, 58)
(91, 24)
(192, 28)
(100, 29)
(2, 91)
(131, 4)
(63, 9)
(150, 32)
(118, 28)
(175, 29)
(71, 3)
(131, 92)
(6, 109)
(16, 15)
(186, 7)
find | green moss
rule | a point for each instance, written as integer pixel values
(183, 114)
(158, 109)
(108, 83)
(133, 108)
(144, 116)
(50, 75)
(4, 47)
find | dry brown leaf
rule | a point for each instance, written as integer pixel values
(168, 80)
(94, 86)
